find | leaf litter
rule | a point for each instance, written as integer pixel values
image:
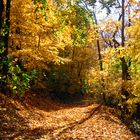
(40, 117)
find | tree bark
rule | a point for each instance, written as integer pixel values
(98, 46)
(1, 12)
(125, 73)
(1, 36)
(4, 42)
(7, 26)
(6, 37)
(100, 61)
(1, 22)
(98, 42)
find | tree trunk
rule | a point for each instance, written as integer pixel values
(1, 22)
(1, 12)
(1, 36)
(124, 68)
(7, 26)
(125, 73)
(4, 45)
(98, 45)
(6, 37)
(100, 61)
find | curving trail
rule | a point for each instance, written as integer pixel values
(38, 117)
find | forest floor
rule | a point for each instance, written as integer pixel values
(38, 117)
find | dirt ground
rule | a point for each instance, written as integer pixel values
(38, 117)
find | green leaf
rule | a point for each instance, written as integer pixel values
(15, 78)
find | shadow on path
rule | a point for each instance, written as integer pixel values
(72, 125)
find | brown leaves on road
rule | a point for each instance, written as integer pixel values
(38, 117)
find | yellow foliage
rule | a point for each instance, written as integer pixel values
(38, 35)
(134, 40)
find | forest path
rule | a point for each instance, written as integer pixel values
(38, 117)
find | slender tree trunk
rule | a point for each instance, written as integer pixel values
(7, 26)
(1, 38)
(124, 68)
(98, 45)
(99, 55)
(1, 41)
(1, 12)
(98, 42)
(6, 37)
(123, 20)
(1, 22)
(100, 60)
(4, 56)
(129, 14)
(125, 73)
